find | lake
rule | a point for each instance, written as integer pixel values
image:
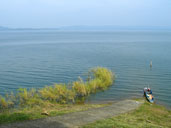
(35, 58)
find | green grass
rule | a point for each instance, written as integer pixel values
(146, 116)
(54, 109)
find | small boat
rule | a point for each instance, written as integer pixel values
(148, 94)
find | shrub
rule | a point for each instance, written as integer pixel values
(3, 103)
(28, 97)
(105, 75)
(93, 85)
(7, 101)
(79, 88)
(57, 93)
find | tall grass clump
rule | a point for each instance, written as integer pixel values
(98, 79)
(3, 102)
(103, 74)
(57, 93)
(28, 97)
(101, 79)
(79, 87)
(8, 101)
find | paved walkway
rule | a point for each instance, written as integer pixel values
(74, 120)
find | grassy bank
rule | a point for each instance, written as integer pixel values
(146, 116)
(37, 112)
(57, 99)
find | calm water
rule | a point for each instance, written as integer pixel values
(38, 58)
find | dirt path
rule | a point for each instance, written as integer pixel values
(74, 120)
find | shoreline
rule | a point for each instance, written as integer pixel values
(106, 101)
(77, 119)
(87, 108)
(147, 115)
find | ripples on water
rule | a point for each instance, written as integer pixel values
(38, 58)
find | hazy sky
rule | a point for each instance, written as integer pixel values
(55, 13)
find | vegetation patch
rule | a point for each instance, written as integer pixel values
(36, 112)
(146, 116)
(28, 104)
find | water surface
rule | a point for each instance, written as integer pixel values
(38, 58)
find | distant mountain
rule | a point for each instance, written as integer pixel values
(94, 28)
(6, 28)
(111, 28)
(3, 28)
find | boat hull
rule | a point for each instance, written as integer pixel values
(148, 96)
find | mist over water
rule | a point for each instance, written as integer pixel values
(38, 58)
